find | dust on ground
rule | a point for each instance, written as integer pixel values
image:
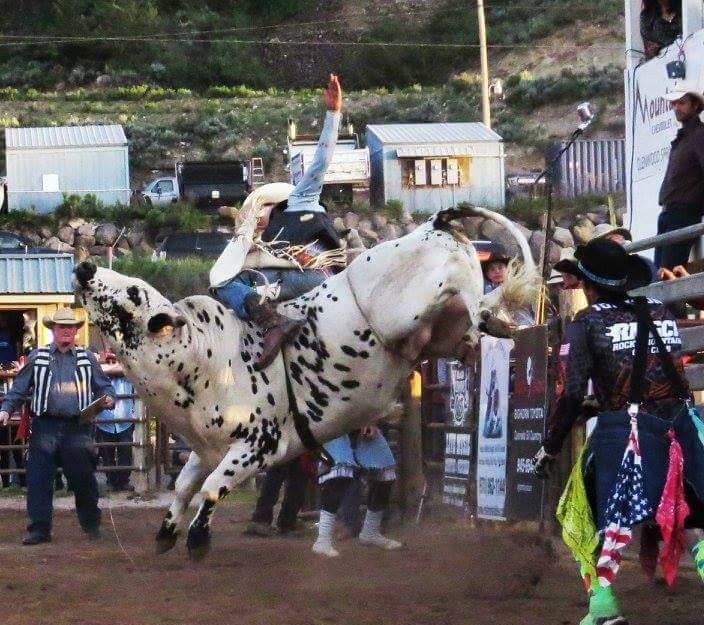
(447, 573)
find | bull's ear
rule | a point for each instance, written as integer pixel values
(163, 321)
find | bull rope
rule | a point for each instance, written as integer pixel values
(117, 536)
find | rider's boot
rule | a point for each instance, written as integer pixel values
(277, 328)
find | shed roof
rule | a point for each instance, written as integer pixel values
(463, 132)
(35, 273)
(64, 136)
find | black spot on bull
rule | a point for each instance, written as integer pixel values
(133, 295)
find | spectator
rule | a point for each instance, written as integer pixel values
(8, 435)
(681, 272)
(294, 474)
(495, 267)
(660, 24)
(110, 430)
(61, 380)
(682, 190)
(621, 235)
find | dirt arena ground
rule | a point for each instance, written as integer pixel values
(446, 574)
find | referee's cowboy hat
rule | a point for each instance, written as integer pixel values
(63, 317)
(682, 88)
(607, 265)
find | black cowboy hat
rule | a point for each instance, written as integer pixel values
(497, 253)
(606, 264)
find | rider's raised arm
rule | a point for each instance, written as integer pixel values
(306, 194)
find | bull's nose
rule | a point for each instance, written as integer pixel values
(84, 272)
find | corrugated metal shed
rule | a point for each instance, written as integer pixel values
(24, 274)
(433, 133)
(64, 137)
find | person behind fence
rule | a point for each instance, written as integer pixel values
(682, 190)
(8, 433)
(644, 461)
(114, 426)
(285, 235)
(293, 476)
(660, 24)
(363, 451)
(60, 380)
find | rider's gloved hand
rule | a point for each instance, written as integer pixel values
(543, 463)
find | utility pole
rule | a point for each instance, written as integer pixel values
(486, 111)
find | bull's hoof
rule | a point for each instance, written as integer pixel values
(198, 542)
(166, 538)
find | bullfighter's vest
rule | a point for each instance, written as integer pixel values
(43, 375)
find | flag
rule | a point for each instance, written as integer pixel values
(627, 506)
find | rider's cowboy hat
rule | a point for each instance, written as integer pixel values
(496, 253)
(682, 88)
(63, 317)
(606, 264)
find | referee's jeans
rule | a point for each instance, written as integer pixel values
(69, 442)
(673, 217)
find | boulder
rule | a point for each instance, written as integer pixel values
(554, 252)
(598, 218)
(98, 250)
(66, 234)
(76, 222)
(351, 220)
(45, 232)
(135, 235)
(145, 248)
(472, 226)
(563, 237)
(489, 229)
(390, 232)
(583, 230)
(526, 232)
(339, 224)
(123, 244)
(498, 234)
(536, 243)
(354, 241)
(121, 252)
(105, 234)
(87, 230)
(82, 240)
(409, 227)
(379, 221)
(565, 221)
(32, 237)
(82, 253)
(54, 243)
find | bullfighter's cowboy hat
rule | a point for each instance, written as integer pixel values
(682, 88)
(63, 317)
(606, 264)
(604, 230)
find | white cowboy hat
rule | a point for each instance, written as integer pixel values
(684, 87)
(63, 317)
(601, 231)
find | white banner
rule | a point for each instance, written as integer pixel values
(493, 426)
(650, 128)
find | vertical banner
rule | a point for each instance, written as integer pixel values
(458, 445)
(492, 428)
(527, 423)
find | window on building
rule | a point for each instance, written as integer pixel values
(436, 172)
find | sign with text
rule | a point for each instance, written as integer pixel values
(492, 427)
(526, 423)
(458, 462)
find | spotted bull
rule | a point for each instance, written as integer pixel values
(364, 329)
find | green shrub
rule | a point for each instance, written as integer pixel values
(393, 209)
(173, 278)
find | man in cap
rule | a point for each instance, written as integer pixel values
(281, 230)
(682, 191)
(61, 380)
(599, 345)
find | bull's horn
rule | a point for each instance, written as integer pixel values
(162, 320)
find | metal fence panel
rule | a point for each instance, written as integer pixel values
(591, 167)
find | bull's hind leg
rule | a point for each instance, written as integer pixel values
(189, 481)
(240, 462)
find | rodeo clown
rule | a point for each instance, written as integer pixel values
(644, 462)
(285, 243)
(363, 451)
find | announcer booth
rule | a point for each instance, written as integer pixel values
(482, 424)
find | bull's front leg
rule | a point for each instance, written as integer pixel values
(189, 481)
(240, 462)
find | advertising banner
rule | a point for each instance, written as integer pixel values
(492, 427)
(527, 423)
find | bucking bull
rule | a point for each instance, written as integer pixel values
(365, 328)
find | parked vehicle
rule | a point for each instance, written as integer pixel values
(201, 182)
(11, 243)
(348, 170)
(202, 244)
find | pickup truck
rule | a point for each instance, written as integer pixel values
(348, 170)
(201, 182)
